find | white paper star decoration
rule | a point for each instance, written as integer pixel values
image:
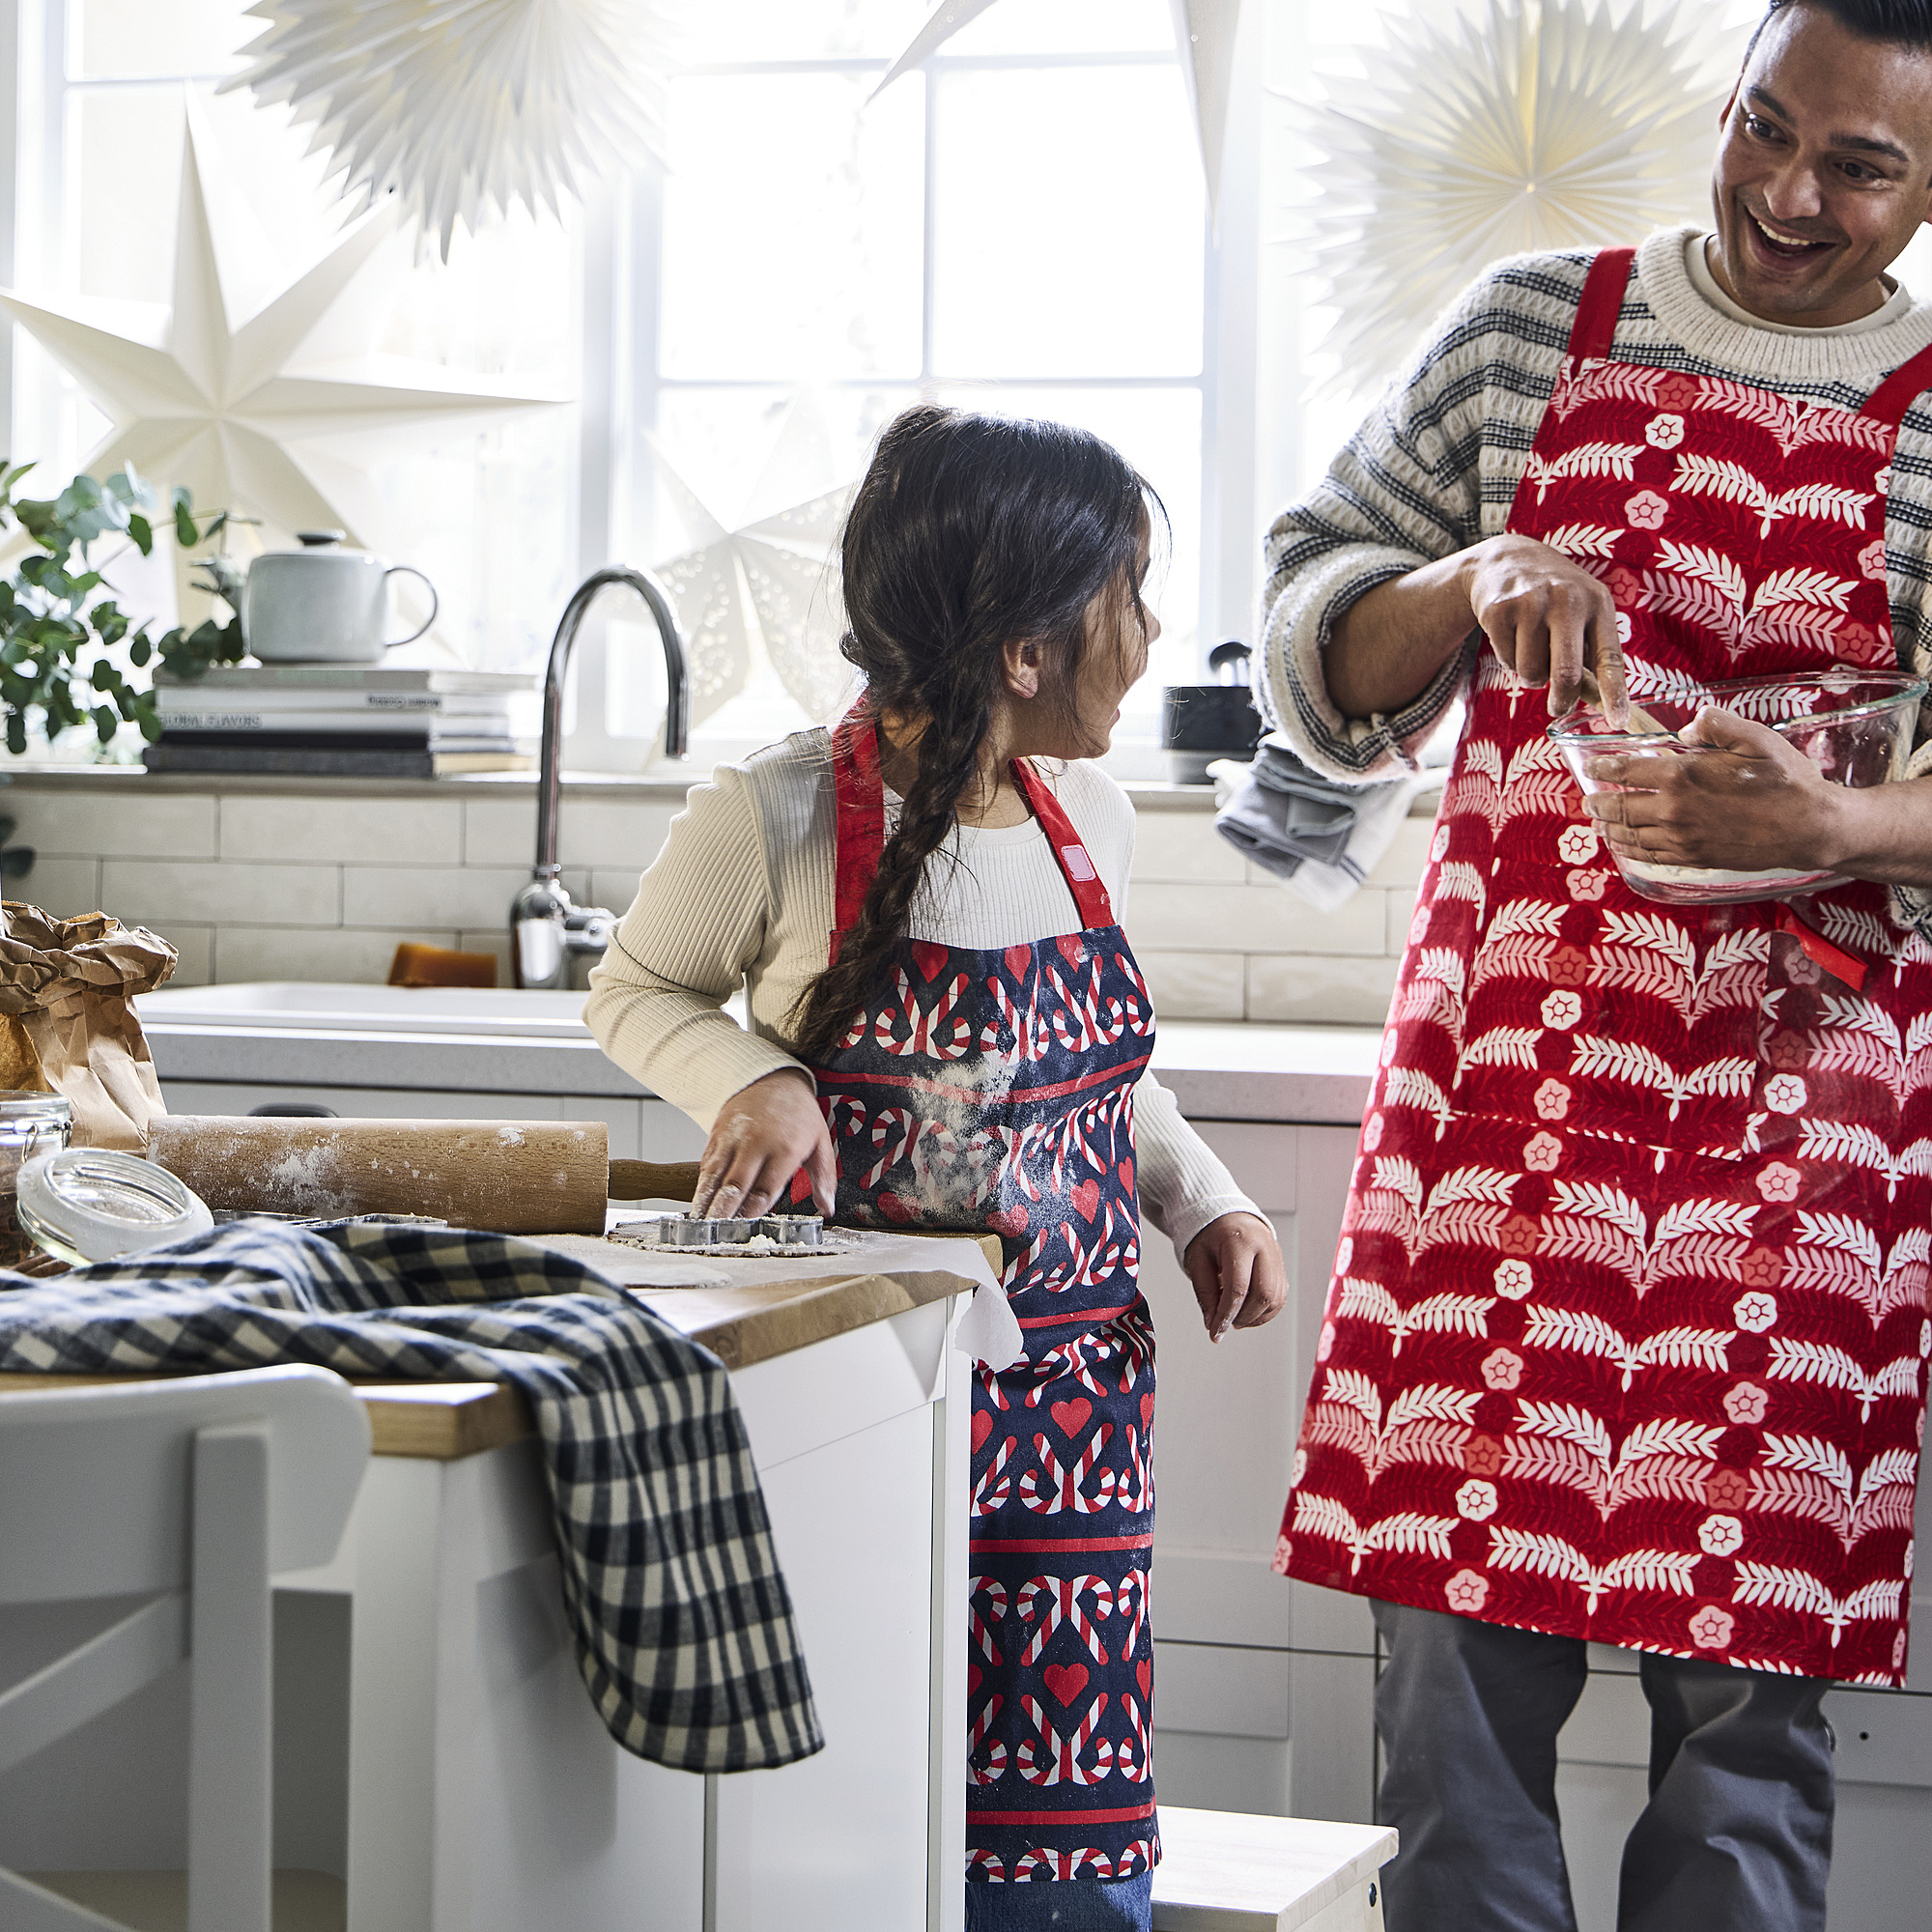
(460, 108)
(1492, 127)
(1204, 34)
(771, 582)
(261, 416)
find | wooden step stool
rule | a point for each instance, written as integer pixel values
(1236, 1871)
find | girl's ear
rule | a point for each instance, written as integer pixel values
(1022, 667)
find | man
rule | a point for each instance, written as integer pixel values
(1627, 1336)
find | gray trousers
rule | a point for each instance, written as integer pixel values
(1737, 1837)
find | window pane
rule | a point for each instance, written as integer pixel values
(770, 30)
(793, 229)
(1158, 431)
(1069, 232)
(1067, 26)
(157, 36)
(125, 161)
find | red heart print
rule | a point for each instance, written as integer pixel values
(982, 1427)
(975, 1676)
(1145, 1672)
(1072, 947)
(1008, 1221)
(1071, 1416)
(1066, 1680)
(1127, 1175)
(801, 1188)
(1147, 1411)
(1087, 1198)
(1018, 959)
(895, 1209)
(930, 959)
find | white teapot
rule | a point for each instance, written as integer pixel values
(323, 604)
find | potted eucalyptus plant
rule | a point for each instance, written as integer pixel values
(63, 637)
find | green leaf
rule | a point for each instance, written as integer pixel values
(184, 532)
(107, 722)
(140, 650)
(143, 533)
(16, 734)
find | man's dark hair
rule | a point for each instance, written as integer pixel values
(1905, 23)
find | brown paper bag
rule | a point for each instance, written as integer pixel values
(65, 1024)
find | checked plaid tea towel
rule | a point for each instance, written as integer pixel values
(683, 1623)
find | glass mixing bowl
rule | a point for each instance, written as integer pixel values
(1855, 725)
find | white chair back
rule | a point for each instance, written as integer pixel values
(191, 1493)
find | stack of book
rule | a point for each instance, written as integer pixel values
(344, 721)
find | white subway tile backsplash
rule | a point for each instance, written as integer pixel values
(493, 940)
(342, 831)
(1407, 853)
(615, 887)
(1316, 990)
(155, 892)
(1400, 913)
(66, 888)
(338, 953)
(440, 895)
(162, 825)
(1195, 986)
(592, 832)
(1184, 846)
(1270, 918)
(499, 831)
(194, 954)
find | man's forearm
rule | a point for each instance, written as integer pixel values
(1386, 649)
(1884, 833)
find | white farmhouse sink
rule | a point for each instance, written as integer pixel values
(284, 1004)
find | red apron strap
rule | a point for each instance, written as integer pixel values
(860, 832)
(1893, 397)
(861, 825)
(1090, 896)
(1835, 959)
(1596, 325)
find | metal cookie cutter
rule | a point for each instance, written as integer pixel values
(692, 1231)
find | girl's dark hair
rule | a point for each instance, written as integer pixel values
(966, 533)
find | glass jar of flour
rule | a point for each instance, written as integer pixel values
(29, 1124)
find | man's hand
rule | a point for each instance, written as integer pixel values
(1238, 1276)
(1755, 804)
(762, 1136)
(1546, 621)
(1544, 618)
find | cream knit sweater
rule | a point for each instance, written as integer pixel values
(742, 894)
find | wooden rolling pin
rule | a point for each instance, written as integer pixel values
(509, 1176)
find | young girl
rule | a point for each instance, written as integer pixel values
(949, 1030)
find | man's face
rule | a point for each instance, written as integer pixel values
(1824, 172)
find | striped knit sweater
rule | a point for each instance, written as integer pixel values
(1435, 467)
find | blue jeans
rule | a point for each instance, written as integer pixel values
(1737, 1837)
(1066, 1905)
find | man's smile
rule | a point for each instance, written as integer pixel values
(1782, 243)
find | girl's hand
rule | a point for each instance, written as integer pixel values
(763, 1135)
(1239, 1278)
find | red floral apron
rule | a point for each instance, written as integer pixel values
(1628, 1329)
(993, 1091)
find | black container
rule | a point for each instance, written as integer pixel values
(1200, 723)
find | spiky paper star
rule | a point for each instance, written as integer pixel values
(460, 107)
(1492, 127)
(248, 416)
(771, 579)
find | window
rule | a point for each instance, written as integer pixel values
(1019, 226)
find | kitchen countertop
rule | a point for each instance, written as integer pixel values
(741, 1321)
(466, 1039)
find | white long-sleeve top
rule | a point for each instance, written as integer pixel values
(742, 894)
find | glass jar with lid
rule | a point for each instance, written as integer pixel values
(31, 1124)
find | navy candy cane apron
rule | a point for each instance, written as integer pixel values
(992, 1091)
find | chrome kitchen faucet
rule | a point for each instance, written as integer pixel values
(547, 930)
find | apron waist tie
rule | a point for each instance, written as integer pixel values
(1835, 959)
